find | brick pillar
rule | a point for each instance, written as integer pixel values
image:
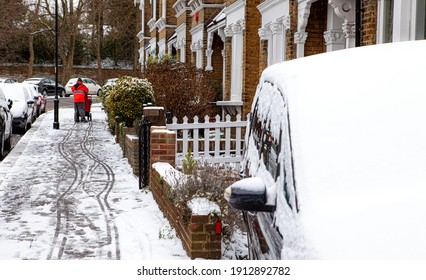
(228, 53)
(368, 22)
(204, 242)
(263, 61)
(290, 45)
(163, 145)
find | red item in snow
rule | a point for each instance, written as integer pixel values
(87, 103)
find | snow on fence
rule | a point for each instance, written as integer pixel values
(223, 144)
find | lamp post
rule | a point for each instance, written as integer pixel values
(56, 101)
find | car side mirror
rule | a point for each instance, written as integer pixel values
(248, 195)
(30, 102)
(9, 103)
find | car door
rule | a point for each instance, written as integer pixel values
(7, 115)
(264, 239)
(268, 156)
(29, 100)
(50, 86)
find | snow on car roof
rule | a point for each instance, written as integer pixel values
(357, 128)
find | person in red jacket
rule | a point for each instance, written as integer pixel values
(80, 92)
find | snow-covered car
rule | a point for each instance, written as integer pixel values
(7, 80)
(335, 157)
(93, 87)
(111, 82)
(38, 97)
(5, 124)
(22, 108)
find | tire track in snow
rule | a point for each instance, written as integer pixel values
(102, 196)
(61, 206)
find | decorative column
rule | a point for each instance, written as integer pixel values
(277, 39)
(209, 51)
(180, 45)
(334, 36)
(345, 9)
(197, 47)
(300, 40)
(304, 10)
(236, 31)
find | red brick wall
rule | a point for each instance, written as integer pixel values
(198, 234)
(368, 22)
(290, 45)
(217, 60)
(251, 54)
(263, 61)
(163, 146)
(316, 27)
(228, 50)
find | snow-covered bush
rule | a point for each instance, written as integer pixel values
(105, 97)
(208, 181)
(127, 97)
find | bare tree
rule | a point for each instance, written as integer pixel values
(121, 42)
(70, 18)
(181, 89)
(33, 29)
(97, 18)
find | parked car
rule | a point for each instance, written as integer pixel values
(32, 90)
(335, 157)
(46, 86)
(93, 87)
(22, 108)
(7, 80)
(5, 124)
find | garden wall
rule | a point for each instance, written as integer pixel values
(197, 232)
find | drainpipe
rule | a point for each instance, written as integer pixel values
(358, 23)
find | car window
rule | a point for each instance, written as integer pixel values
(269, 148)
(26, 93)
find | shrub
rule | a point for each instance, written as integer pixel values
(127, 97)
(208, 181)
(105, 97)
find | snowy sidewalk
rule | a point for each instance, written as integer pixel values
(70, 194)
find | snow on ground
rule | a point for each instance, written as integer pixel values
(35, 172)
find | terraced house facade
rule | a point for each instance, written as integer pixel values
(238, 39)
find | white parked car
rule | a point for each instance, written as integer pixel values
(111, 82)
(33, 91)
(93, 87)
(22, 108)
(5, 124)
(335, 157)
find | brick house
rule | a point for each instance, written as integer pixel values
(238, 39)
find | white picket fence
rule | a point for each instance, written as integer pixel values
(223, 144)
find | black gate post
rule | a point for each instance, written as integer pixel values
(144, 151)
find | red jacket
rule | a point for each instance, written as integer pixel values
(79, 93)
